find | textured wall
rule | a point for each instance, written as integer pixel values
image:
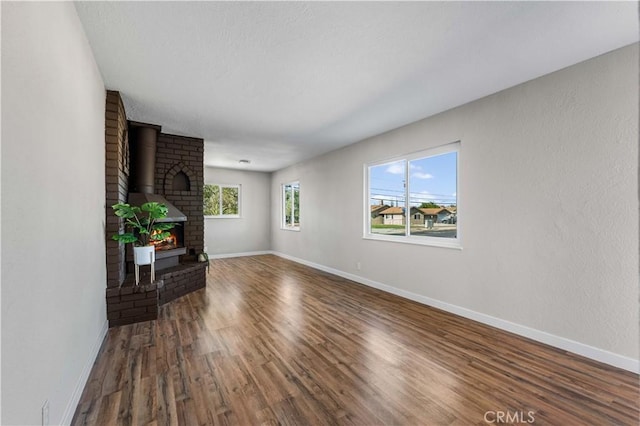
(175, 154)
(116, 183)
(555, 159)
(53, 211)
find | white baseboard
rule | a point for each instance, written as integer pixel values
(67, 416)
(578, 348)
(248, 253)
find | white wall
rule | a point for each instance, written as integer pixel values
(53, 269)
(250, 233)
(556, 157)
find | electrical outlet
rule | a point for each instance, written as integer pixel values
(45, 413)
(358, 266)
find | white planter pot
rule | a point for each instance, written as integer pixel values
(144, 255)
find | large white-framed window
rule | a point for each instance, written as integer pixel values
(414, 198)
(222, 201)
(291, 206)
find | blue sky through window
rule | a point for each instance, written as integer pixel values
(430, 178)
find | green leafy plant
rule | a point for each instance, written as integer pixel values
(142, 223)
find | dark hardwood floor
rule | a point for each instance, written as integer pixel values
(273, 342)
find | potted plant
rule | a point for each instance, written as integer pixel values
(143, 228)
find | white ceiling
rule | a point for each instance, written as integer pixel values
(280, 82)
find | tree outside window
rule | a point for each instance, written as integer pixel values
(291, 206)
(222, 200)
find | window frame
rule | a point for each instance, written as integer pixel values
(225, 216)
(283, 219)
(455, 243)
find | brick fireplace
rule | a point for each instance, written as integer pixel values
(178, 177)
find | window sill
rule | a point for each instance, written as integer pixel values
(296, 229)
(421, 241)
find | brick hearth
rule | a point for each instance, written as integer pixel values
(128, 303)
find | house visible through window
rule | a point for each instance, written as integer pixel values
(291, 206)
(415, 198)
(221, 200)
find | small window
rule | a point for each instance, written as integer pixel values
(419, 185)
(291, 206)
(222, 201)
